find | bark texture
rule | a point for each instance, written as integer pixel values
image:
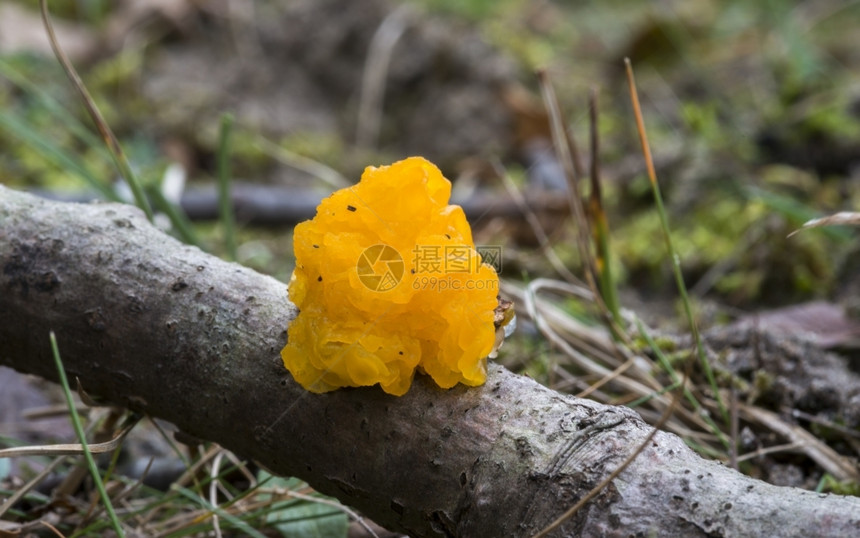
(163, 328)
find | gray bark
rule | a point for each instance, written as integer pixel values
(162, 328)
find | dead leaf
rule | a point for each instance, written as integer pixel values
(825, 323)
(839, 219)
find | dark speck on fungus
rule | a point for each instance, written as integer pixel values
(350, 208)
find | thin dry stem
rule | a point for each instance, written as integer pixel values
(534, 223)
(375, 72)
(68, 449)
(818, 451)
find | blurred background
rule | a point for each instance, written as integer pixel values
(752, 110)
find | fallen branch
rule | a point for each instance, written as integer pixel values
(265, 205)
(165, 329)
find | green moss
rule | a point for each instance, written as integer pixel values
(762, 383)
(840, 487)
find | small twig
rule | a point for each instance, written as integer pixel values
(375, 72)
(566, 152)
(327, 174)
(50, 411)
(213, 490)
(68, 449)
(823, 455)
(848, 432)
(565, 157)
(787, 447)
(540, 319)
(589, 347)
(532, 219)
(51, 528)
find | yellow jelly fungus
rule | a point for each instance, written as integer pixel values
(388, 281)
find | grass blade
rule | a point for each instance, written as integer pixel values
(177, 218)
(233, 520)
(54, 153)
(69, 121)
(567, 154)
(79, 431)
(676, 380)
(600, 222)
(225, 202)
(104, 130)
(664, 225)
(326, 174)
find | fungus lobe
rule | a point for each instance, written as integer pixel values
(387, 282)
